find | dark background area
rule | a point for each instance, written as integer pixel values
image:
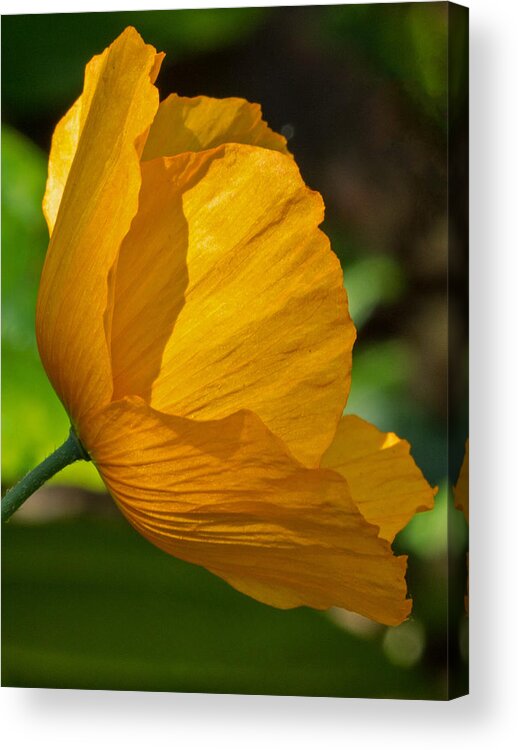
(362, 93)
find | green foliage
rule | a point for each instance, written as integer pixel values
(380, 378)
(34, 422)
(371, 282)
(406, 42)
(93, 605)
(24, 236)
(63, 43)
(436, 533)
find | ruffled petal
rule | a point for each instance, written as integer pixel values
(228, 296)
(195, 124)
(98, 173)
(384, 481)
(225, 494)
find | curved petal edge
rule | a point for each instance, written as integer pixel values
(383, 478)
(225, 494)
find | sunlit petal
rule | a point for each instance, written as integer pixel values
(68, 130)
(228, 296)
(63, 148)
(226, 495)
(100, 184)
(194, 124)
(384, 481)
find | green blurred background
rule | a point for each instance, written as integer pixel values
(361, 93)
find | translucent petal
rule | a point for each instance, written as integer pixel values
(198, 123)
(384, 481)
(228, 296)
(225, 494)
(100, 183)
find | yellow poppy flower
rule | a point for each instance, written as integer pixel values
(192, 319)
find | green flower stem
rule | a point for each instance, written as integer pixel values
(72, 450)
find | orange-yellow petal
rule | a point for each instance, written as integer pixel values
(68, 130)
(384, 481)
(63, 149)
(195, 124)
(228, 296)
(461, 489)
(225, 494)
(100, 180)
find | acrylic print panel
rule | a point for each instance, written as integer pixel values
(265, 489)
